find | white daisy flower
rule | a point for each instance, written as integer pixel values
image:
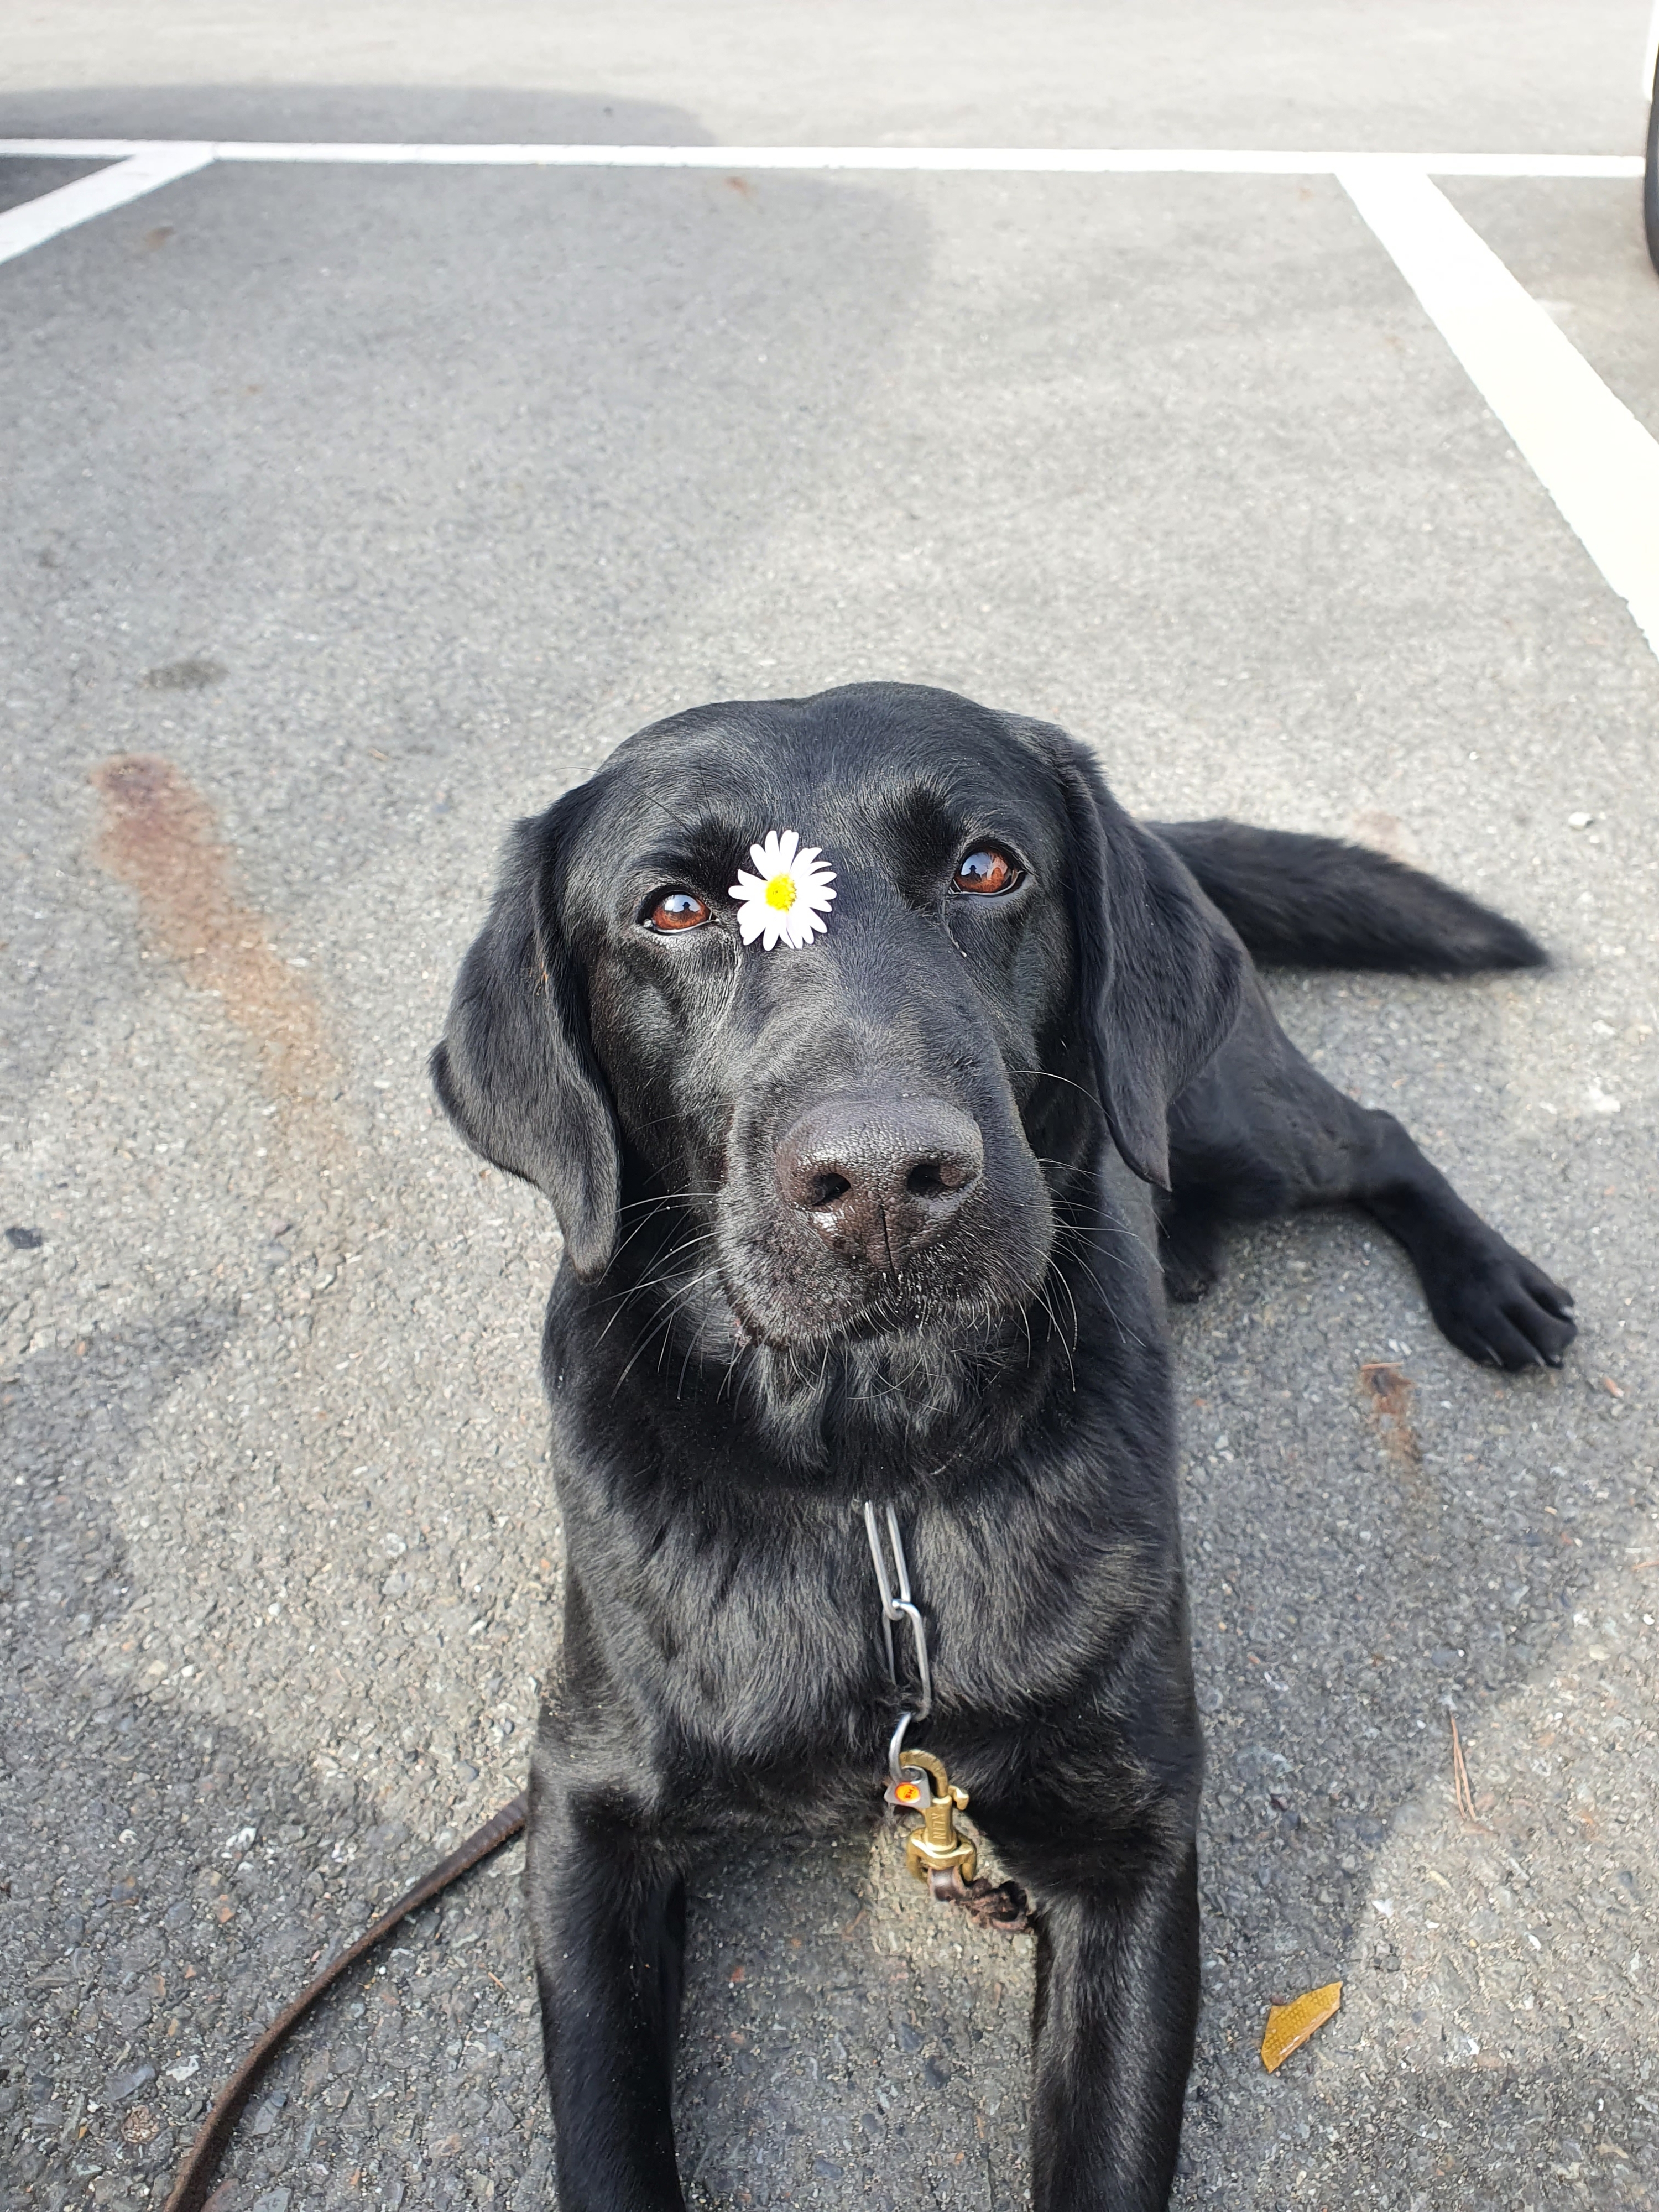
(785, 901)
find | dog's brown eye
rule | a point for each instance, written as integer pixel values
(986, 870)
(677, 910)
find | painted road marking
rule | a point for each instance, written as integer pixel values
(140, 171)
(1591, 455)
(1027, 160)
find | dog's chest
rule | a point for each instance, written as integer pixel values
(762, 1632)
(762, 1640)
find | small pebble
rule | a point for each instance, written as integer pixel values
(122, 2086)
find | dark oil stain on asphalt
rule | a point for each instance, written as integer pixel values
(192, 675)
(1387, 1390)
(160, 835)
(1388, 1399)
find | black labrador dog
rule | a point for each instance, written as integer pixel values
(874, 1216)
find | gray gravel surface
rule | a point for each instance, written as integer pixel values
(367, 510)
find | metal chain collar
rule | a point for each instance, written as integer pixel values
(902, 1606)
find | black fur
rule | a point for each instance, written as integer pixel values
(1318, 902)
(872, 1220)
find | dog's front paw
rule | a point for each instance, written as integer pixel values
(1497, 1306)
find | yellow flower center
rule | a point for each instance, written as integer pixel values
(780, 893)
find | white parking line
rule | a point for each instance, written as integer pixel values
(1022, 160)
(142, 169)
(1595, 460)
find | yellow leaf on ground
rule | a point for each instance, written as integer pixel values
(1289, 2026)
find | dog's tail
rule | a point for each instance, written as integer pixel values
(1319, 902)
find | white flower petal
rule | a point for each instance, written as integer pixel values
(780, 855)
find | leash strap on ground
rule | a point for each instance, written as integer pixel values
(195, 2175)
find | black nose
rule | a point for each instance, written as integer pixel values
(878, 1178)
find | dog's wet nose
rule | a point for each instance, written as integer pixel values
(879, 1178)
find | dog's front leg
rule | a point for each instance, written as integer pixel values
(1116, 2012)
(607, 1914)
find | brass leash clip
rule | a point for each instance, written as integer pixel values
(934, 1848)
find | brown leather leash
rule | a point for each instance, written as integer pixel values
(195, 2175)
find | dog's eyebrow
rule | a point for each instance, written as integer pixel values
(929, 821)
(704, 848)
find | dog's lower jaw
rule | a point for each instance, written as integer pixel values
(773, 1300)
(911, 1401)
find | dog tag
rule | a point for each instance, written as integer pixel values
(909, 1796)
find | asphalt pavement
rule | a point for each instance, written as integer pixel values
(350, 513)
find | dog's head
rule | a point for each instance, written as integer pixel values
(869, 1131)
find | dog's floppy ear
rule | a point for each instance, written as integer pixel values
(1158, 979)
(516, 1071)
